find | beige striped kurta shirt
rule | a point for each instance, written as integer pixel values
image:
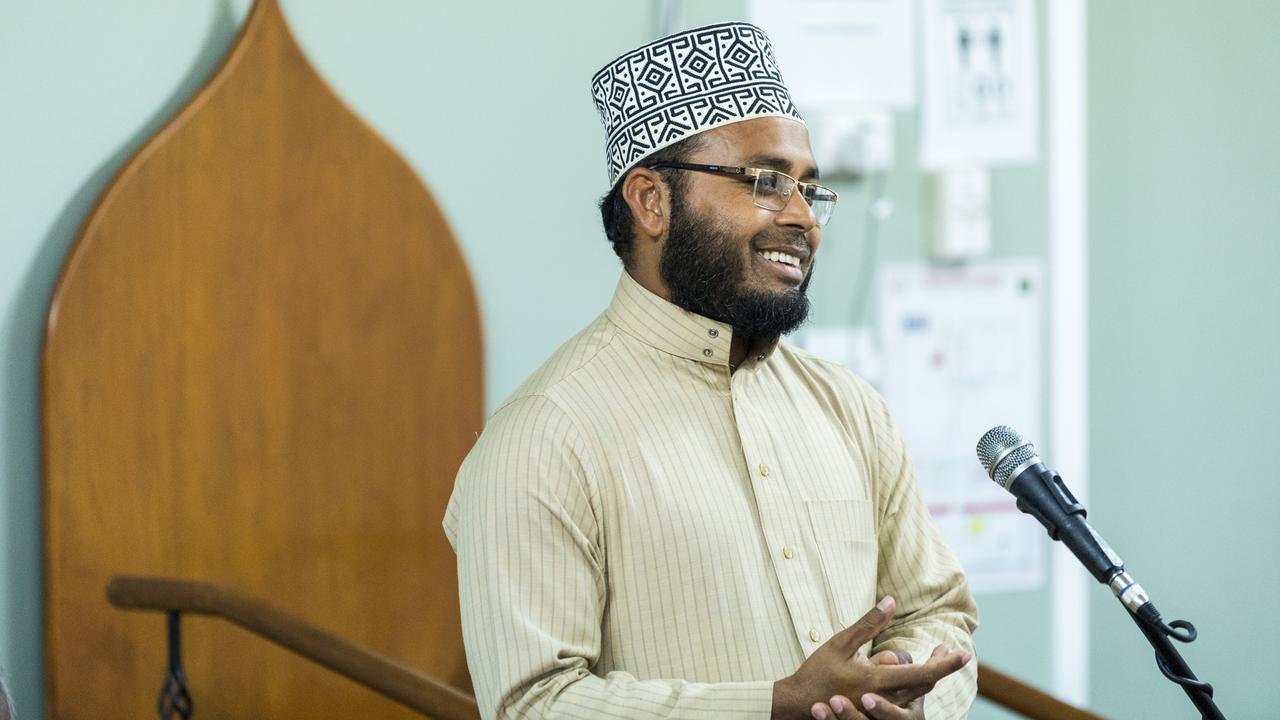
(642, 533)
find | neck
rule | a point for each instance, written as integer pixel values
(738, 350)
(647, 277)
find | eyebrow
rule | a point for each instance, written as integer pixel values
(775, 162)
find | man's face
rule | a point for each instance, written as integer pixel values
(721, 255)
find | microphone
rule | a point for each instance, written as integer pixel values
(1015, 466)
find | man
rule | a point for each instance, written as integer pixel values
(678, 515)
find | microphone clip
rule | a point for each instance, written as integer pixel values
(1048, 485)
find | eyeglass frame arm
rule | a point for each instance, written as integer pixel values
(750, 172)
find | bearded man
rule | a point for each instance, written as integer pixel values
(679, 515)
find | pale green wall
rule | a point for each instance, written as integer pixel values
(1184, 170)
(463, 89)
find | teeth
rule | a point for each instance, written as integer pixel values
(781, 258)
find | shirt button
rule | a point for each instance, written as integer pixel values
(707, 352)
(786, 553)
(764, 470)
(713, 332)
(813, 635)
(760, 357)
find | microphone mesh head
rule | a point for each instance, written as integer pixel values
(995, 442)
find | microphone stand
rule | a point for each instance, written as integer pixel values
(1171, 664)
(1014, 465)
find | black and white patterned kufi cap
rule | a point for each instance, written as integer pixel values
(684, 84)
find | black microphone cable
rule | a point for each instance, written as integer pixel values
(1013, 464)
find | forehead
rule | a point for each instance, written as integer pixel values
(772, 137)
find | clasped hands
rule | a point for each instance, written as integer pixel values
(885, 686)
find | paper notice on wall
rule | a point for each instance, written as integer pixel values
(979, 96)
(838, 54)
(961, 353)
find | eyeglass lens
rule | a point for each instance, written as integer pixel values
(773, 190)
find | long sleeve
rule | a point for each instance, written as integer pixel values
(918, 569)
(525, 525)
(642, 533)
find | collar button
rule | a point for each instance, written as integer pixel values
(713, 332)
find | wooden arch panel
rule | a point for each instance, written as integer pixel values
(262, 368)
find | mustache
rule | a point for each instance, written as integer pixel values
(767, 238)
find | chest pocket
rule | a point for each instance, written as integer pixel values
(845, 535)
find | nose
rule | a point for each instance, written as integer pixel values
(797, 214)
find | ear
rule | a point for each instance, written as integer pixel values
(646, 194)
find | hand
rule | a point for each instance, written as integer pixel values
(838, 670)
(875, 707)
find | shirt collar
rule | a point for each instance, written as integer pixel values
(671, 329)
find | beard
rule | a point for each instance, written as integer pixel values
(706, 271)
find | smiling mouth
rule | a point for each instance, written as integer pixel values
(783, 266)
(780, 258)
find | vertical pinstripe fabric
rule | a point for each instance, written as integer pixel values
(643, 534)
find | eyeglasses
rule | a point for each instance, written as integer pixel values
(772, 189)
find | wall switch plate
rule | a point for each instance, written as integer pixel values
(962, 215)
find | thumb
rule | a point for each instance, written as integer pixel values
(866, 628)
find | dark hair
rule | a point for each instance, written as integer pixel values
(614, 210)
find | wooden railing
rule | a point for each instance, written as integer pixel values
(1015, 695)
(410, 687)
(398, 682)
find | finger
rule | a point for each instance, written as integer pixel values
(846, 709)
(942, 650)
(902, 696)
(878, 708)
(892, 657)
(866, 628)
(823, 711)
(923, 675)
(886, 657)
